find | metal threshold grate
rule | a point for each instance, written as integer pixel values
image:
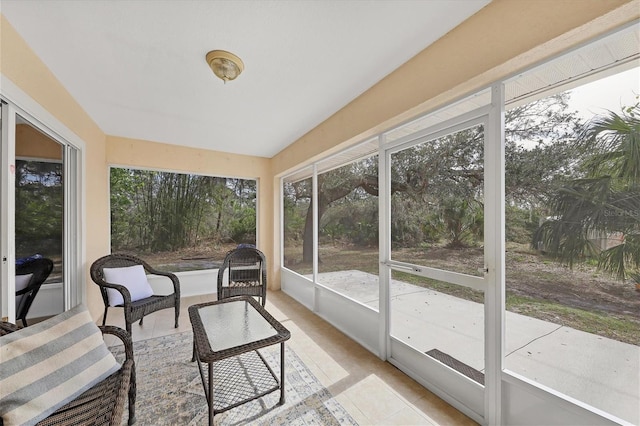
(460, 367)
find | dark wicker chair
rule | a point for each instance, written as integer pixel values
(246, 268)
(40, 268)
(104, 403)
(134, 311)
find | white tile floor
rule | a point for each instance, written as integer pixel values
(372, 391)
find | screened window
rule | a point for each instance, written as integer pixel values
(437, 202)
(572, 255)
(348, 230)
(180, 222)
(298, 225)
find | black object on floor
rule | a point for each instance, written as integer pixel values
(460, 367)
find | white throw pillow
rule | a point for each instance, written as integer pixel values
(22, 281)
(133, 278)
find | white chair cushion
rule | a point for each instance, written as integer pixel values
(133, 278)
(22, 281)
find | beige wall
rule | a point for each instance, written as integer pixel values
(505, 36)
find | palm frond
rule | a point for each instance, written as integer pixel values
(615, 141)
(613, 260)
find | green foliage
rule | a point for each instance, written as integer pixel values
(39, 207)
(352, 219)
(605, 203)
(243, 226)
(540, 153)
(520, 224)
(411, 223)
(159, 211)
(122, 186)
(614, 140)
(463, 222)
(295, 207)
(333, 231)
(432, 228)
(437, 188)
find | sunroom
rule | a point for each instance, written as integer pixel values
(421, 262)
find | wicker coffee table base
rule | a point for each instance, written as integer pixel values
(239, 379)
(227, 335)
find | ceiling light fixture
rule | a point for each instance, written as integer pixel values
(224, 64)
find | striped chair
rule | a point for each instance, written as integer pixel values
(105, 401)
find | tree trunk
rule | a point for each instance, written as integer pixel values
(307, 242)
(307, 236)
(328, 195)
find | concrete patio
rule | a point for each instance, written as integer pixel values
(599, 371)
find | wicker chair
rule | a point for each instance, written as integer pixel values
(104, 403)
(246, 268)
(40, 268)
(134, 311)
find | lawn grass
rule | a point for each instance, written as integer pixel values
(623, 328)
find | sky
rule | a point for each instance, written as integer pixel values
(611, 93)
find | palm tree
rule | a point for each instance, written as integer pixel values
(605, 202)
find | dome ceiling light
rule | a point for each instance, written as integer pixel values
(225, 65)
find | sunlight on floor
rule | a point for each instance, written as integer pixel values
(373, 391)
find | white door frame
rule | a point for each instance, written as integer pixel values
(7, 221)
(15, 102)
(486, 398)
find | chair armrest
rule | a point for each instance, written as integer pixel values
(127, 372)
(122, 335)
(126, 295)
(173, 277)
(24, 291)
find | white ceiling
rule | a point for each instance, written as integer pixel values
(138, 68)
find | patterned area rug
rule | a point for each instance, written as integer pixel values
(170, 390)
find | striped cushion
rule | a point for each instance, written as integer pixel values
(46, 365)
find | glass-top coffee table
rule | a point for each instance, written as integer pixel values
(226, 336)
